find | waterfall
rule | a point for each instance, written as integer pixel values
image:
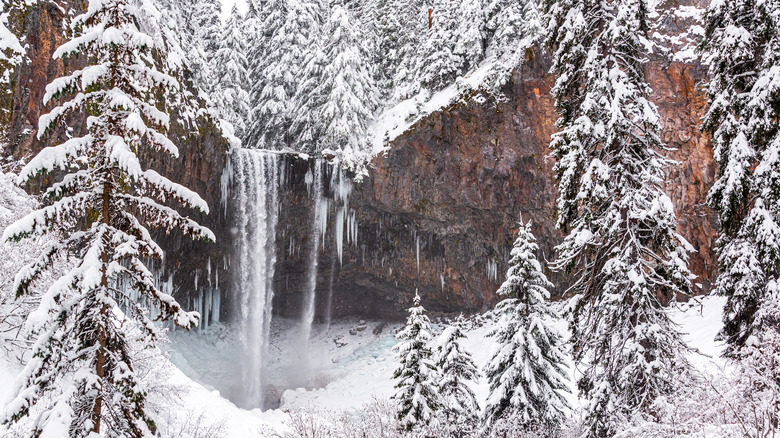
(307, 318)
(330, 294)
(257, 194)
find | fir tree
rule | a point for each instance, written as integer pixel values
(350, 97)
(528, 373)
(416, 388)
(742, 47)
(437, 63)
(388, 53)
(621, 240)
(470, 33)
(232, 79)
(291, 27)
(206, 32)
(456, 370)
(80, 378)
(414, 26)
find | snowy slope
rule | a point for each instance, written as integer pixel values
(352, 363)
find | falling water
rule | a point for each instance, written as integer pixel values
(330, 294)
(256, 187)
(311, 286)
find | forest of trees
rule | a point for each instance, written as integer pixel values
(311, 75)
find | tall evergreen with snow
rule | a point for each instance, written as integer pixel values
(416, 374)
(742, 46)
(350, 96)
(470, 37)
(414, 26)
(456, 371)
(438, 64)
(387, 56)
(528, 373)
(621, 241)
(291, 28)
(81, 380)
(230, 93)
(207, 30)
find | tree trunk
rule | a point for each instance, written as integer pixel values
(100, 361)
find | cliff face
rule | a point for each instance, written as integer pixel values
(457, 182)
(438, 210)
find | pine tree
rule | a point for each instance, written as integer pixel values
(350, 96)
(416, 388)
(528, 373)
(621, 240)
(291, 27)
(206, 31)
(470, 35)
(437, 62)
(742, 46)
(387, 54)
(414, 26)
(232, 79)
(81, 378)
(259, 24)
(456, 369)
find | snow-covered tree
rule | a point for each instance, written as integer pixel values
(437, 62)
(80, 380)
(291, 29)
(387, 55)
(528, 372)
(456, 371)
(230, 92)
(414, 26)
(742, 47)
(416, 374)
(621, 241)
(207, 29)
(470, 35)
(350, 96)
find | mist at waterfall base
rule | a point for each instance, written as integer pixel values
(252, 185)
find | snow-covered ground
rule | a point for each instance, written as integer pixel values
(351, 363)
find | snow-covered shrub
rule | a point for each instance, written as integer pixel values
(376, 419)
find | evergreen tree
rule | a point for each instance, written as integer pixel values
(621, 240)
(350, 96)
(437, 63)
(414, 26)
(206, 32)
(416, 388)
(528, 373)
(291, 28)
(230, 93)
(742, 46)
(261, 22)
(470, 33)
(81, 378)
(388, 53)
(456, 369)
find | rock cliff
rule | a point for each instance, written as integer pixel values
(439, 208)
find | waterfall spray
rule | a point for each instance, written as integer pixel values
(307, 318)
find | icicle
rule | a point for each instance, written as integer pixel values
(226, 180)
(323, 214)
(340, 234)
(417, 243)
(441, 276)
(492, 269)
(308, 179)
